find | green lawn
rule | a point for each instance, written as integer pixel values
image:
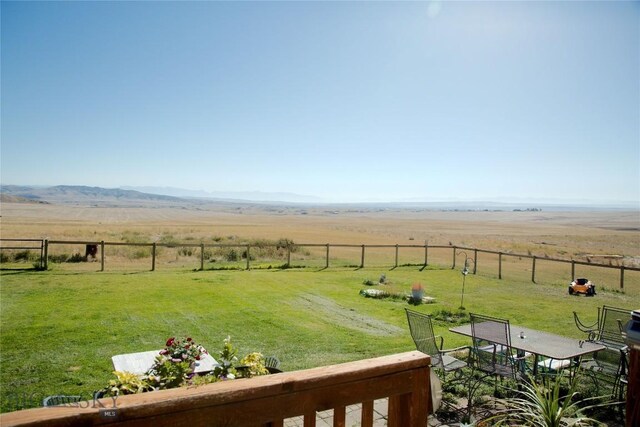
(59, 329)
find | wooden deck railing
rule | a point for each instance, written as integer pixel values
(263, 401)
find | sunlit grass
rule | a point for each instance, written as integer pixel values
(60, 328)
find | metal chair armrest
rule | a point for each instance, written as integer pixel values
(456, 349)
(585, 328)
(518, 358)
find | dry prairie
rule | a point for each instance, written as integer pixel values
(567, 235)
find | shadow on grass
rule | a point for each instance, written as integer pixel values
(11, 271)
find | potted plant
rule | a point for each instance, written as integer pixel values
(417, 293)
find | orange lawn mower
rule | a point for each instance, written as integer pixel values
(582, 286)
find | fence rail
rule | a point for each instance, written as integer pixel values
(456, 251)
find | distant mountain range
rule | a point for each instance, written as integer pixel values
(169, 196)
(256, 196)
(76, 194)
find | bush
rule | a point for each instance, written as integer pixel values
(185, 251)
(168, 239)
(232, 255)
(458, 318)
(141, 253)
(77, 258)
(60, 258)
(25, 255)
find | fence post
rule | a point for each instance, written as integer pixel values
(248, 256)
(201, 256)
(153, 257)
(288, 255)
(500, 265)
(573, 269)
(396, 266)
(475, 261)
(533, 270)
(326, 264)
(102, 255)
(362, 258)
(426, 253)
(622, 277)
(41, 262)
(454, 258)
(46, 254)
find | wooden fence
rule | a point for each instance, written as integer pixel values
(265, 401)
(456, 252)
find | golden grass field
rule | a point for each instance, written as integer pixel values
(609, 237)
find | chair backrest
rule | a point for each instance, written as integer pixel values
(612, 319)
(492, 345)
(272, 363)
(421, 330)
(61, 399)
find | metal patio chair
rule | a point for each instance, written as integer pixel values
(491, 351)
(608, 327)
(61, 400)
(427, 342)
(609, 371)
(272, 363)
(607, 368)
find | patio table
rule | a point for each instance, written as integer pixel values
(560, 350)
(139, 363)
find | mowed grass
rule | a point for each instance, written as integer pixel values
(59, 329)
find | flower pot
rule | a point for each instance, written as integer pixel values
(417, 294)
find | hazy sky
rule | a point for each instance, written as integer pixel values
(348, 101)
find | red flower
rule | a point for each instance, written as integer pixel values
(170, 341)
(189, 339)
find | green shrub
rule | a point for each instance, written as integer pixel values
(59, 258)
(25, 255)
(77, 258)
(140, 253)
(459, 317)
(232, 255)
(168, 239)
(185, 251)
(134, 237)
(544, 405)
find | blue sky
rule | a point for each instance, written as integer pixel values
(346, 101)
